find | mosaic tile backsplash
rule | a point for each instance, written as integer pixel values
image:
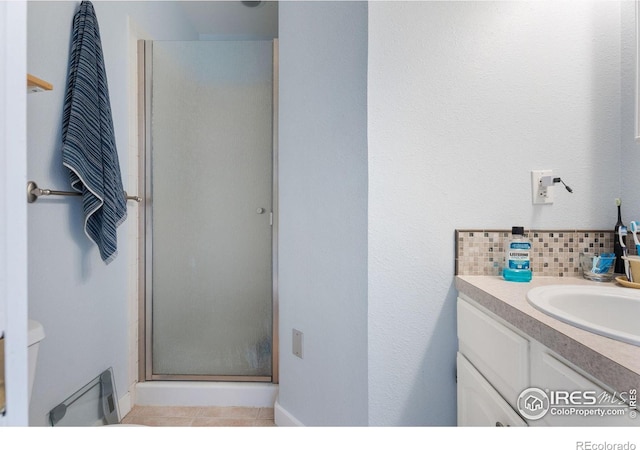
(554, 253)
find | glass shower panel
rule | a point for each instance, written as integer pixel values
(211, 197)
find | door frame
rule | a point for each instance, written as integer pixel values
(145, 369)
(13, 214)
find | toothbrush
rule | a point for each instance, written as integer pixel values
(635, 227)
(602, 263)
(622, 232)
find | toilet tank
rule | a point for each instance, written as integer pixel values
(36, 334)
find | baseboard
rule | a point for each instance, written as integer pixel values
(283, 418)
(125, 404)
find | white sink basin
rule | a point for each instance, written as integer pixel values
(610, 311)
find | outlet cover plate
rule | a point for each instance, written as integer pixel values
(541, 195)
(297, 339)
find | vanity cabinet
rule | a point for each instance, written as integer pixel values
(496, 362)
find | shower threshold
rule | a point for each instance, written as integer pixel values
(206, 393)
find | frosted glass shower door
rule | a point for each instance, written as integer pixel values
(211, 196)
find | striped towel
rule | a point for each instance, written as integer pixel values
(88, 140)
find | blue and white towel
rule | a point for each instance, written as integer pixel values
(88, 140)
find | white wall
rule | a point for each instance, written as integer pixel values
(81, 302)
(465, 99)
(323, 211)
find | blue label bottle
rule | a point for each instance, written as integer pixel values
(517, 265)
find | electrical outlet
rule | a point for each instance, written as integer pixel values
(541, 195)
(297, 341)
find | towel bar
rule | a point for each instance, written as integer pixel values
(33, 192)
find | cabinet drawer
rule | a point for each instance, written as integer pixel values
(551, 374)
(500, 354)
(478, 403)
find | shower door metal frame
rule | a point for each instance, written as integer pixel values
(145, 229)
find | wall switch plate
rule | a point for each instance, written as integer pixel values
(541, 195)
(297, 341)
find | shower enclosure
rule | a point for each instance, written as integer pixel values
(209, 224)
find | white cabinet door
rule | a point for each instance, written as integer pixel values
(500, 354)
(478, 402)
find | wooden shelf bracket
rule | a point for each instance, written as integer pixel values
(35, 84)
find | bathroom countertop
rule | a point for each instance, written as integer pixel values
(614, 363)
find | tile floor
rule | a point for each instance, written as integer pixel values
(195, 416)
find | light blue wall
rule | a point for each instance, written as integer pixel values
(323, 210)
(81, 302)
